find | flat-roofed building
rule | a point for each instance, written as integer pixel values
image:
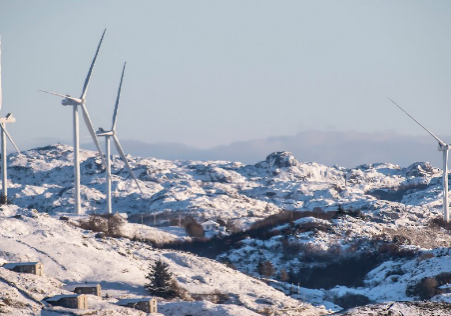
(85, 288)
(79, 301)
(148, 305)
(25, 267)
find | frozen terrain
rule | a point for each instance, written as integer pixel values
(386, 226)
(71, 255)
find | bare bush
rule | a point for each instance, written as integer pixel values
(425, 256)
(350, 300)
(430, 236)
(440, 222)
(109, 224)
(283, 275)
(312, 226)
(265, 268)
(216, 297)
(424, 290)
(290, 249)
(194, 229)
(285, 217)
(341, 212)
(232, 227)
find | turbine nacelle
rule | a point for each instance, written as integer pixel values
(71, 101)
(102, 132)
(445, 147)
(8, 119)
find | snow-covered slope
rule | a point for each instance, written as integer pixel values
(71, 255)
(396, 203)
(43, 179)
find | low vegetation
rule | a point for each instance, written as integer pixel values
(108, 224)
(427, 288)
(350, 300)
(262, 230)
(439, 222)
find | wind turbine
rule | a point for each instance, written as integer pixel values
(443, 147)
(8, 119)
(75, 102)
(108, 135)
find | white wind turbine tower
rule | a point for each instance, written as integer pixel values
(108, 135)
(443, 147)
(68, 100)
(8, 119)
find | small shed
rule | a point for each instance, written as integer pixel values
(85, 288)
(79, 301)
(210, 225)
(148, 305)
(25, 267)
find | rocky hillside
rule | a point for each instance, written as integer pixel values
(43, 179)
(327, 236)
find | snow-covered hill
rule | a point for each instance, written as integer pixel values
(43, 179)
(71, 255)
(396, 206)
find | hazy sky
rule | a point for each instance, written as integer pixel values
(209, 73)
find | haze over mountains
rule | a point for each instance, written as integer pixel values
(343, 148)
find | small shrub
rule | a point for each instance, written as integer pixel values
(394, 251)
(283, 275)
(396, 271)
(440, 222)
(290, 249)
(425, 256)
(350, 300)
(341, 212)
(265, 268)
(220, 297)
(267, 311)
(109, 224)
(401, 240)
(194, 229)
(232, 227)
(424, 290)
(312, 226)
(443, 278)
(428, 287)
(221, 222)
(285, 217)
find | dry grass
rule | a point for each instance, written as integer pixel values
(424, 236)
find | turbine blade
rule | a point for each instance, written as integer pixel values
(92, 132)
(113, 128)
(441, 142)
(124, 158)
(54, 93)
(2, 126)
(88, 77)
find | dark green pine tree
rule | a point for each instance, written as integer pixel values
(160, 281)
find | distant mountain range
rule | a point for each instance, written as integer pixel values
(344, 148)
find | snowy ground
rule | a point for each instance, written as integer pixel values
(395, 202)
(71, 255)
(402, 309)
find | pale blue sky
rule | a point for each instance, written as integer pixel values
(209, 73)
